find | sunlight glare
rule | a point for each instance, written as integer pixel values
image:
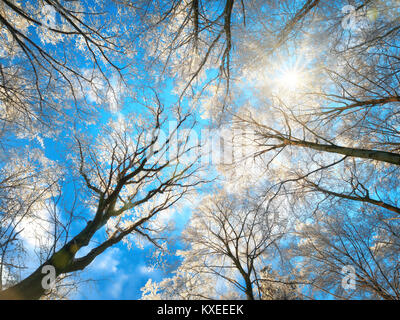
(290, 79)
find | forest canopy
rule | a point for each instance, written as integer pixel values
(226, 149)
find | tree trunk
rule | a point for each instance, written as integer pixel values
(383, 156)
(63, 261)
(249, 289)
(28, 289)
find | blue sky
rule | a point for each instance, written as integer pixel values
(119, 273)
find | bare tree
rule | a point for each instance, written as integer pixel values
(348, 110)
(334, 245)
(129, 180)
(59, 58)
(26, 184)
(230, 240)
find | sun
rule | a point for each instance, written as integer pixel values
(289, 74)
(290, 79)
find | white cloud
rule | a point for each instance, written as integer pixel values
(107, 261)
(145, 270)
(116, 288)
(35, 229)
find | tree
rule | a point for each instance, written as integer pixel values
(189, 37)
(210, 45)
(325, 128)
(131, 174)
(27, 183)
(59, 60)
(335, 246)
(230, 238)
(346, 108)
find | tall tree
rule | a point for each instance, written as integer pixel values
(131, 173)
(349, 255)
(230, 240)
